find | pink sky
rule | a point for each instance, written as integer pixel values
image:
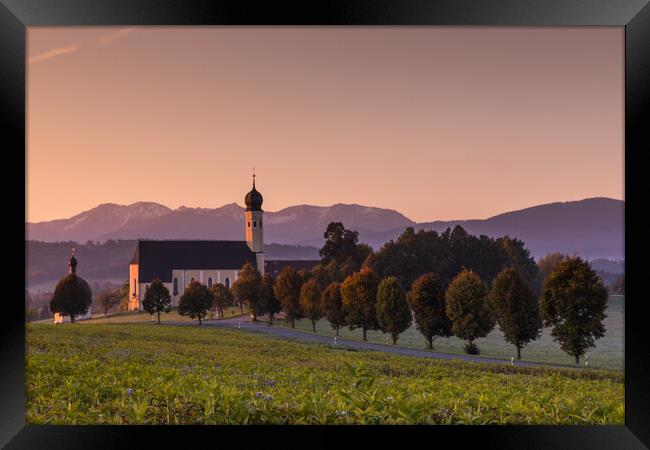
(435, 122)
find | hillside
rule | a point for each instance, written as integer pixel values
(592, 228)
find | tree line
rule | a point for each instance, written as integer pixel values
(448, 284)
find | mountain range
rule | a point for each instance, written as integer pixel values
(592, 228)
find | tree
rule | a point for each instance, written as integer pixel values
(156, 298)
(269, 299)
(547, 264)
(247, 289)
(287, 289)
(124, 296)
(195, 301)
(310, 302)
(359, 295)
(515, 307)
(573, 302)
(468, 310)
(518, 257)
(393, 312)
(221, 297)
(343, 250)
(331, 305)
(72, 297)
(108, 299)
(427, 300)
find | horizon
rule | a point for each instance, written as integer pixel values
(436, 123)
(328, 206)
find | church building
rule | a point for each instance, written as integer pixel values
(177, 263)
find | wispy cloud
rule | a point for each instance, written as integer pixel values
(116, 35)
(53, 53)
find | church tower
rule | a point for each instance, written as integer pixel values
(254, 228)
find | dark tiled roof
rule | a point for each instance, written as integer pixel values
(274, 267)
(157, 259)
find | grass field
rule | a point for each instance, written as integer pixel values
(608, 353)
(147, 374)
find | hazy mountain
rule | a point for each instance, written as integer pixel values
(592, 228)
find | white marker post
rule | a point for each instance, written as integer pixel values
(512, 360)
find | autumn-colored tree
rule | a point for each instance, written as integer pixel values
(156, 298)
(515, 307)
(547, 264)
(72, 297)
(269, 299)
(108, 299)
(468, 309)
(247, 289)
(310, 302)
(195, 301)
(393, 312)
(332, 306)
(222, 298)
(427, 300)
(359, 295)
(573, 302)
(287, 289)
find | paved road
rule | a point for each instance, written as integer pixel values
(244, 323)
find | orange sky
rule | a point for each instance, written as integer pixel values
(435, 122)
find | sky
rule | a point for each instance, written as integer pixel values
(438, 123)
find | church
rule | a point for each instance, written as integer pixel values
(179, 262)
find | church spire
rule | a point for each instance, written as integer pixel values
(72, 264)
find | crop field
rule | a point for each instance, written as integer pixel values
(608, 353)
(130, 373)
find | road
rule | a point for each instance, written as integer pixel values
(244, 323)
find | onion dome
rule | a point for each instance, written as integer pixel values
(253, 199)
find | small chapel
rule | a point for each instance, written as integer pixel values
(179, 262)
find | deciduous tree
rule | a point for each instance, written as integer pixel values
(247, 289)
(310, 302)
(156, 298)
(108, 299)
(427, 300)
(195, 301)
(359, 295)
(222, 298)
(468, 310)
(573, 302)
(287, 289)
(332, 306)
(393, 312)
(269, 299)
(72, 297)
(515, 307)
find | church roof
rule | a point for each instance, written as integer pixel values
(157, 259)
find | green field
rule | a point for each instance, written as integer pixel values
(608, 353)
(147, 374)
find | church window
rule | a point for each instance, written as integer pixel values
(227, 283)
(249, 224)
(254, 224)
(209, 282)
(175, 286)
(260, 224)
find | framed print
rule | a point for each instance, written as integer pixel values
(295, 219)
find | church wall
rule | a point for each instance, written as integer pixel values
(134, 287)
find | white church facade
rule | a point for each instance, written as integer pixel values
(179, 262)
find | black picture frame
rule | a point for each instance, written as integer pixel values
(633, 15)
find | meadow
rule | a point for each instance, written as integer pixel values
(143, 373)
(608, 353)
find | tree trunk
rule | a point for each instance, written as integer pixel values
(430, 343)
(519, 352)
(241, 308)
(577, 357)
(271, 318)
(293, 323)
(72, 321)
(364, 334)
(199, 316)
(254, 317)
(313, 325)
(221, 312)
(158, 317)
(337, 330)
(394, 336)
